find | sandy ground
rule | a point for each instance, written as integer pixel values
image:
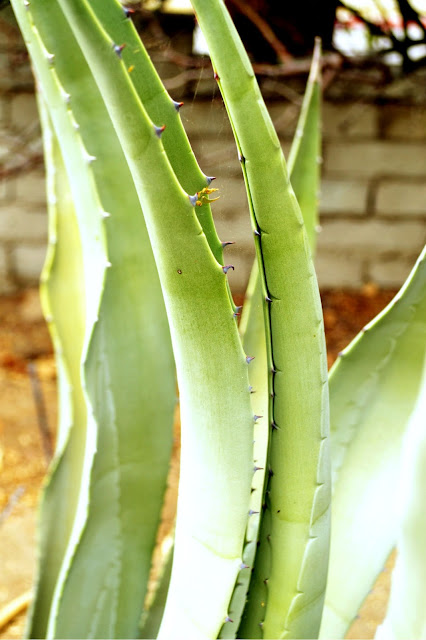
(24, 342)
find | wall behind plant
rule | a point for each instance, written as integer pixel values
(373, 195)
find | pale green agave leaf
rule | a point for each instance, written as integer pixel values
(71, 471)
(133, 404)
(61, 280)
(373, 389)
(406, 614)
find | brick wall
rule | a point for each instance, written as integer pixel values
(373, 194)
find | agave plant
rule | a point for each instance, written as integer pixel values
(135, 291)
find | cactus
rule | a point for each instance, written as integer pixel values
(131, 240)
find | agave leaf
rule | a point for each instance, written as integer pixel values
(217, 464)
(373, 389)
(305, 154)
(129, 401)
(288, 581)
(406, 614)
(61, 280)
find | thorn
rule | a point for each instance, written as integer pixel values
(235, 314)
(257, 232)
(128, 11)
(226, 244)
(241, 158)
(251, 390)
(226, 268)
(249, 359)
(177, 105)
(108, 264)
(273, 370)
(272, 394)
(340, 354)
(256, 418)
(270, 472)
(261, 625)
(268, 537)
(216, 76)
(268, 299)
(238, 308)
(257, 469)
(50, 58)
(26, 4)
(274, 426)
(159, 130)
(193, 199)
(105, 214)
(266, 580)
(228, 619)
(252, 512)
(252, 490)
(244, 566)
(118, 48)
(210, 179)
(90, 158)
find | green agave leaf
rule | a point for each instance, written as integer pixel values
(161, 109)
(406, 614)
(304, 175)
(373, 389)
(288, 582)
(305, 154)
(217, 463)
